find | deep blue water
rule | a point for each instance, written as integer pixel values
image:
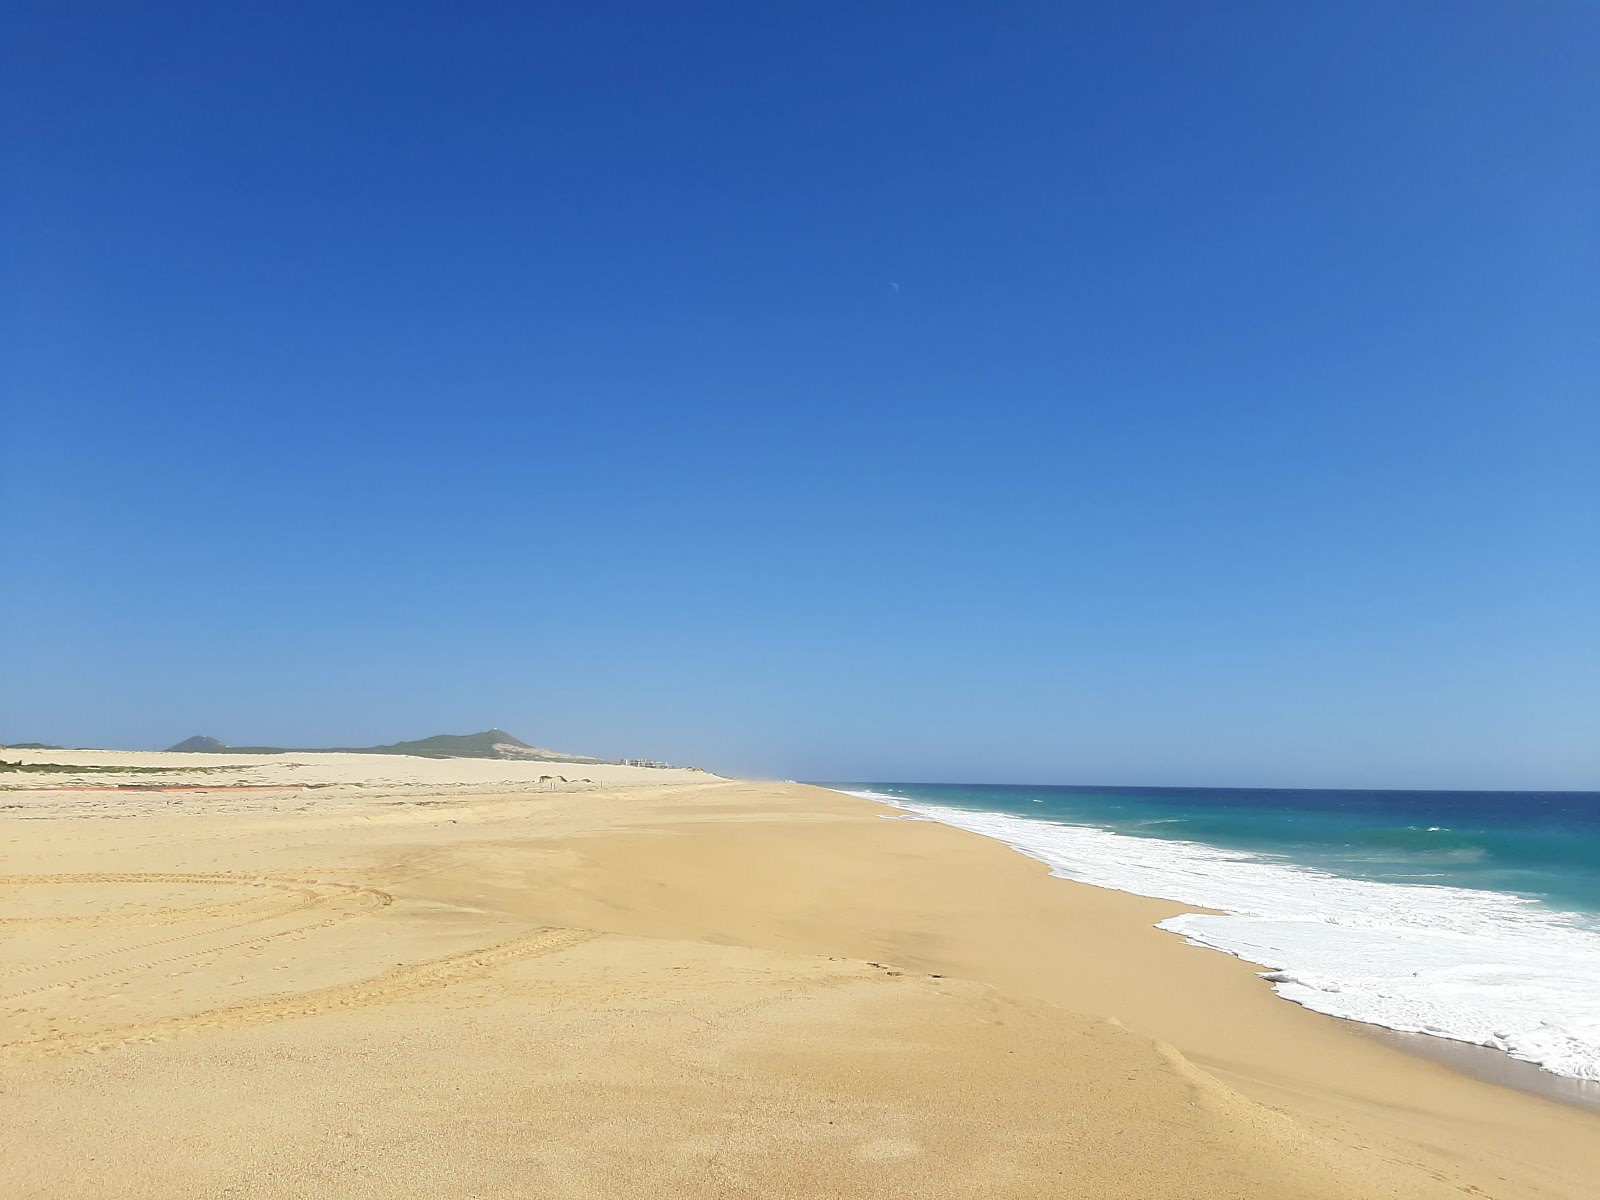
(1544, 845)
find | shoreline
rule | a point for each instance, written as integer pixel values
(1489, 1065)
(1486, 1063)
(691, 987)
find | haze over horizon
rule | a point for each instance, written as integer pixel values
(1175, 395)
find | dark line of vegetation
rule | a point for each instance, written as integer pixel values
(76, 769)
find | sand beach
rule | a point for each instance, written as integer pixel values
(368, 976)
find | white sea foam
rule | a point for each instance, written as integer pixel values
(1477, 966)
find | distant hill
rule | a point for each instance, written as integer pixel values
(31, 746)
(492, 743)
(199, 744)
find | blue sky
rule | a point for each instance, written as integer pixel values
(371, 371)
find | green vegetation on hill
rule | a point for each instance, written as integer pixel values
(456, 745)
(491, 743)
(199, 744)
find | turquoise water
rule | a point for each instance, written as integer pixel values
(1544, 845)
(1466, 915)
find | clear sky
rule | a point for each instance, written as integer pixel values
(1189, 393)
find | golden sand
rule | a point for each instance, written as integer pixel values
(454, 981)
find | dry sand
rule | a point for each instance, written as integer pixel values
(443, 979)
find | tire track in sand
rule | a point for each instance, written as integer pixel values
(369, 900)
(154, 916)
(394, 984)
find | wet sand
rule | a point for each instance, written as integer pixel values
(1492, 1066)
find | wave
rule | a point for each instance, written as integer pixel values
(1476, 966)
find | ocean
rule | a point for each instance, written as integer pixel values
(1465, 915)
